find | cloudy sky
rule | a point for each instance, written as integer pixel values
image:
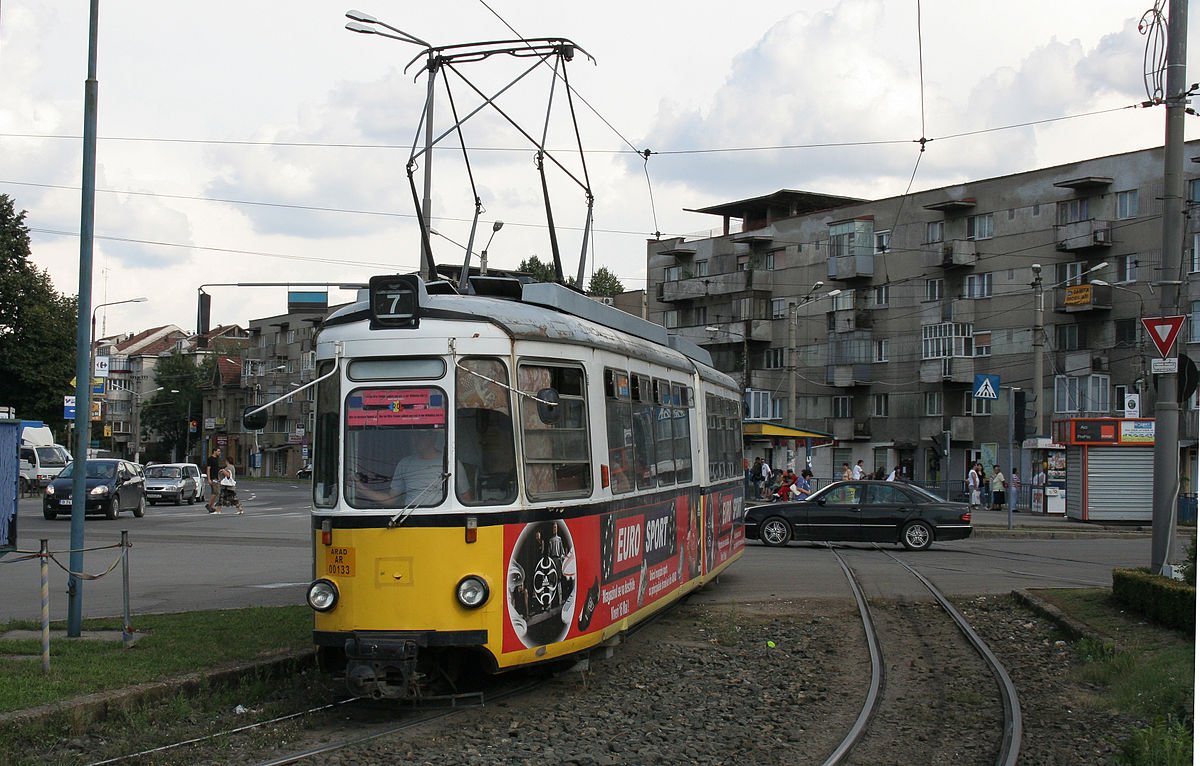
(259, 140)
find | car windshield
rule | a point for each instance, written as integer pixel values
(163, 472)
(50, 456)
(93, 471)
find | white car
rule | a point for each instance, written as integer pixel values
(174, 483)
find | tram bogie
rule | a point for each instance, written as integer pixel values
(502, 481)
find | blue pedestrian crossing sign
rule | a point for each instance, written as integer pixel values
(986, 387)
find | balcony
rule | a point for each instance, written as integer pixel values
(733, 332)
(956, 252)
(862, 429)
(848, 375)
(957, 369)
(857, 266)
(1083, 235)
(1090, 297)
(948, 310)
(849, 320)
(731, 283)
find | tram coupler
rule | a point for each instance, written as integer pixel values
(382, 668)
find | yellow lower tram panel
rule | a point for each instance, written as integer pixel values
(412, 604)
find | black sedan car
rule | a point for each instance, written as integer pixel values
(112, 486)
(862, 511)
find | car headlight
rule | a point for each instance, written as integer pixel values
(50, 490)
(472, 591)
(101, 490)
(322, 595)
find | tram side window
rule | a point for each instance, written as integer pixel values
(664, 434)
(619, 411)
(395, 447)
(681, 401)
(485, 458)
(645, 466)
(716, 438)
(733, 422)
(325, 444)
(554, 426)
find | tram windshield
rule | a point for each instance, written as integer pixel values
(395, 447)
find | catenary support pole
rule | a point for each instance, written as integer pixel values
(1166, 407)
(83, 340)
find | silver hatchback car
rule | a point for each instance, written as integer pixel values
(173, 483)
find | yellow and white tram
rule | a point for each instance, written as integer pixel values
(508, 478)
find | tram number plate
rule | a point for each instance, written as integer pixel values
(339, 561)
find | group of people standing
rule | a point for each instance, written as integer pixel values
(981, 487)
(857, 471)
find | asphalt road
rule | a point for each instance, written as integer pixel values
(185, 559)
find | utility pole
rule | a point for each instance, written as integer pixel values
(1038, 351)
(792, 419)
(1166, 407)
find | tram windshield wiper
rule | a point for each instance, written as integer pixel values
(403, 514)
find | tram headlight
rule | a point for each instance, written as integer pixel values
(472, 592)
(322, 595)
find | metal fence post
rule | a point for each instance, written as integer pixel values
(44, 560)
(126, 630)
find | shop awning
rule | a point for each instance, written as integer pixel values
(772, 431)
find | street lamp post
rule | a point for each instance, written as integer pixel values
(83, 425)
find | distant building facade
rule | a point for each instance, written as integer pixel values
(934, 288)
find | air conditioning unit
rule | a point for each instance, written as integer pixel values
(1100, 236)
(606, 300)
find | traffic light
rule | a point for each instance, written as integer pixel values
(1019, 430)
(194, 425)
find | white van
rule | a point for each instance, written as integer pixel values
(46, 461)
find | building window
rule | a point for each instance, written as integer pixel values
(979, 285)
(701, 268)
(1195, 252)
(762, 406)
(883, 242)
(672, 273)
(1069, 273)
(1119, 399)
(1089, 393)
(981, 407)
(946, 340)
(770, 261)
(1072, 210)
(773, 358)
(779, 308)
(933, 289)
(980, 226)
(983, 344)
(1194, 323)
(880, 296)
(881, 350)
(935, 231)
(843, 300)
(1127, 204)
(880, 408)
(841, 407)
(1070, 337)
(1194, 190)
(743, 262)
(700, 315)
(933, 403)
(671, 319)
(1126, 331)
(1127, 268)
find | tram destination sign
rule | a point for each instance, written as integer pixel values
(395, 300)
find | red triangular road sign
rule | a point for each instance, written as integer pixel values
(1163, 331)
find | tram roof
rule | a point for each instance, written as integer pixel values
(551, 312)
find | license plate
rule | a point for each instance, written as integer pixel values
(64, 502)
(339, 561)
(151, 494)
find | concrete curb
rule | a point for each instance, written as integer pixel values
(1072, 627)
(1035, 533)
(98, 706)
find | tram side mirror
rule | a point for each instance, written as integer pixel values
(547, 406)
(255, 422)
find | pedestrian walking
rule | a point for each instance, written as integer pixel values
(846, 472)
(228, 484)
(857, 472)
(973, 479)
(998, 485)
(212, 467)
(1014, 490)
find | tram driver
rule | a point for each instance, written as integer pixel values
(418, 478)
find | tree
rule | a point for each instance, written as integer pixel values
(37, 327)
(541, 272)
(604, 284)
(170, 411)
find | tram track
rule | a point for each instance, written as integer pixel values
(852, 749)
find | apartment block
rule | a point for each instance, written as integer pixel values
(869, 320)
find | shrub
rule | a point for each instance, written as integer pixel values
(1163, 744)
(1160, 599)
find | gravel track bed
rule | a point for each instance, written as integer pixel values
(704, 685)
